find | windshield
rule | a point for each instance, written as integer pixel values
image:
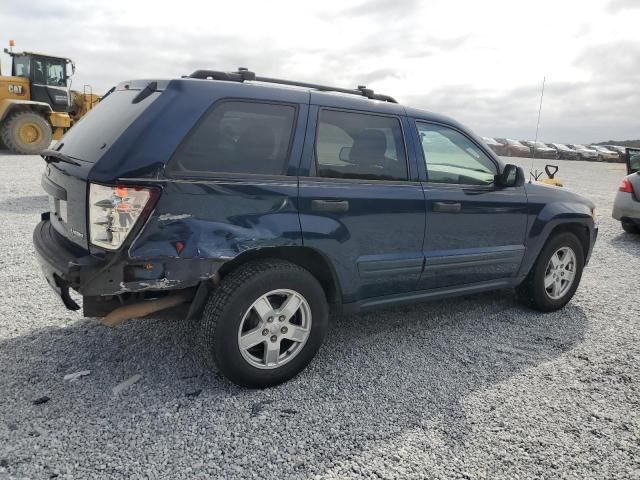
(514, 142)
(49, 71)
(540, 145)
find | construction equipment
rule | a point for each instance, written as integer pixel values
(37, 104)
(551, 171)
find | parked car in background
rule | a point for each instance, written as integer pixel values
(626, 206)
(497, 147)
(605, 155)
(514, 148)
(541, 150)
(621, 151)
(564, 152)
(584, 153)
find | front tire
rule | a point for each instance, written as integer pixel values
(26, 132)
(264, 323)
(555, 276)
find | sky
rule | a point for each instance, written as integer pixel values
(481, 62)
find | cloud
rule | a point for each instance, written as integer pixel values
(606, 105)
(480, 66)
(618, 5)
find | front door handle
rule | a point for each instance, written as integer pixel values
(330, 206)
(447, 207)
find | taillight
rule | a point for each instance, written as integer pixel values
(114, 211)
(625, 186)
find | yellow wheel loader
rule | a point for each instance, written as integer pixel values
(36, 102)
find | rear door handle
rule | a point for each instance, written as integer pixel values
(447, 207)
(330, 205)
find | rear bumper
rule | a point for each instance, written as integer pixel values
(626, 207)
(66, 266)
(63, 264)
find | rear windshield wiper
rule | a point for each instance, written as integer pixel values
(53, 156)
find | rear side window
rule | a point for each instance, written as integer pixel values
(356, 145)
(238, 137)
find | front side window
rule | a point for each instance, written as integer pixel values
(452, 158)
(359, 146)
(238, 137)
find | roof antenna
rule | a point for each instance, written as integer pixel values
(533, 150)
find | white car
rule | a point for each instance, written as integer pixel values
(626, 206)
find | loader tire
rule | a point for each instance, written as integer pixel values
(26, 132)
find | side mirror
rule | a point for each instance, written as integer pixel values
(511, 176)
(345, 154)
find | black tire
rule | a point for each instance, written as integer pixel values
(17, 122)
(580, 157)
(532, 292)
(600, 158)
(225, 310)
(630, 227)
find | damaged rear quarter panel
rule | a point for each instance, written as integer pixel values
(219, 219)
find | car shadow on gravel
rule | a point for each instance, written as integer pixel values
(627, 242)
(378, 375)
(25, 205)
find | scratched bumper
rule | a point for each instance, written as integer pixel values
(65, 266)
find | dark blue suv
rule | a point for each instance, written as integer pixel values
(262, 204)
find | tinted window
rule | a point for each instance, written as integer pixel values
(453, 158)
(94, 134)
(356, 145)
(239, 137)
(49, 72)
(21, 66)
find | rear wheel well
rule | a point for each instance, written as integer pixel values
(579, 230)
(305, 257)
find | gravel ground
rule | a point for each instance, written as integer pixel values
(479, 387)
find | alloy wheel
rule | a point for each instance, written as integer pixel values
(274, 329)
(560, 273)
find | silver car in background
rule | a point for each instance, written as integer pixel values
(606, 155)
(584, 153)
(626, 207)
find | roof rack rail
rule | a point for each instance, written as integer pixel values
(244, 74)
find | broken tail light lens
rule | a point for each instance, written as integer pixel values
(115, 210)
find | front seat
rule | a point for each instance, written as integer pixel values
(368, 150)
(256, 145)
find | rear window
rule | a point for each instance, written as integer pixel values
(89, 138)
(238, 137)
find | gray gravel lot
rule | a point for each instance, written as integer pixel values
(479, 387)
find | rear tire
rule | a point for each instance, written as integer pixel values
(630, 227)
(237, 315)
(538, 289)
(26, 133)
